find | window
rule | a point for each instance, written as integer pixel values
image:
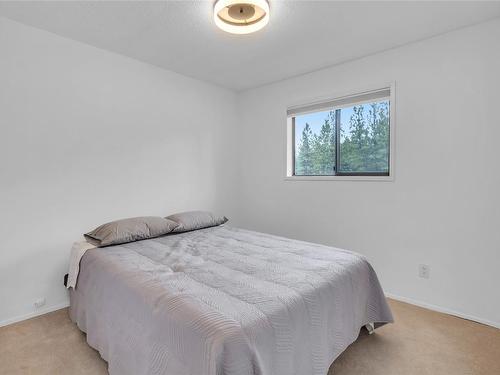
(349, 136)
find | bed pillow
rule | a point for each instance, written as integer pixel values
(129, 230)
(193, 220)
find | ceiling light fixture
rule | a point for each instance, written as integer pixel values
(241, 16)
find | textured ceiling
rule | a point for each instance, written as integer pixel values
(302, 36)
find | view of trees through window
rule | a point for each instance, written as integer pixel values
(363, 132)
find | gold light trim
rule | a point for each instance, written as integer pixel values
(241, 16)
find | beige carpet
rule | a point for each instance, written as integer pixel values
(420, 342)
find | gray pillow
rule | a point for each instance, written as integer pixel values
(193, 220)
(129, 230)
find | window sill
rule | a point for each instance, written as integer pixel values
(340, 178)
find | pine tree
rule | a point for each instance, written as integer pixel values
(355, 146)
(379, 136)
(304, 162)
(323, 150)
(333, 138)
(383, 137)
(366, 149)
(373, 139)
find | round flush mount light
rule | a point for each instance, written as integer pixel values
(241, 16)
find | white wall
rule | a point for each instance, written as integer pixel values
(88, 136)
(443, 209)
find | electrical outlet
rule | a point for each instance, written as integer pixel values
(39, 303)
(424, 271)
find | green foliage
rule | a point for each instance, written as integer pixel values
(364, 146)
(323, 150)
(304, 161)
(316, 154)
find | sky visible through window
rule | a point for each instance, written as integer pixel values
(317, 119)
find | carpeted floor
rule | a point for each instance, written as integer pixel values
(420, 342)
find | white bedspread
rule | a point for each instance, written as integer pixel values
(224, 301)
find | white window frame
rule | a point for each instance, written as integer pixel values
(340, 97)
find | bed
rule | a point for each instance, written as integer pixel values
(224, 301)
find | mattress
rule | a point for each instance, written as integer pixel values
(224, 301)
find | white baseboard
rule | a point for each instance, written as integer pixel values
(443, 310)
(34, 313)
